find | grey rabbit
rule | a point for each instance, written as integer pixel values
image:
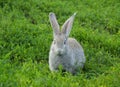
(65, 51)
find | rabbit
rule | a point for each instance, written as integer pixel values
(65, 51)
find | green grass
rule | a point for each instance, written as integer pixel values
(26, 36)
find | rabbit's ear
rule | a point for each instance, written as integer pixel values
(54, 23)
(66, 28)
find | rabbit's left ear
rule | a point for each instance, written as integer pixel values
(67, 26)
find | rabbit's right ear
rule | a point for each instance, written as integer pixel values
(54, 23)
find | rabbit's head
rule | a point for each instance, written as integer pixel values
(60, 43)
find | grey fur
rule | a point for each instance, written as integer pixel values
(65, 51)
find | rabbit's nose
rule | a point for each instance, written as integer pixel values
(59, 51)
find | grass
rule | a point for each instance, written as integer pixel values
(26, 36)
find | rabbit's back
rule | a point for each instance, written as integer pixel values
(77, 51)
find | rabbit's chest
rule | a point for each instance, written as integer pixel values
(63, 61)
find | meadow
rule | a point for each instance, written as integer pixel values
(26, 36)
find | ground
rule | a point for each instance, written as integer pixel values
(26, 36)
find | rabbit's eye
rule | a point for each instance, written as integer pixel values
(65, 41)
